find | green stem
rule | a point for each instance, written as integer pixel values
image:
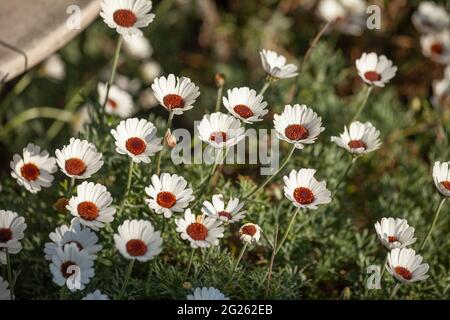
(368, 89)
(291, 223)
(169, 125)
(384, 267)
(241, 254)
(113, 72)
(34, 113)
(394, 291)
(125, 281)
(70, 188)
(219, 98)
(10, 278)
(344, 175)
(269, 178)
(265, 86)
(191, 258)
(313, 44)
(436, 215)
(127, 190)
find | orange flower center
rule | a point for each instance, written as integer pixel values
(446, 184)
(124, 18)
(437, 48)
(356, 144)
(88, 210)
(244, 111)
(173, 101)
(296, 132)
(5, 235)
(136, 145)
(249, 230)
(392, 239)
(65, 269)
(197, 231)
(166, 199)
(30, 171)
(136, 247)
(403, 272)
(303, 195)
(372, 76)
(113, 103)
(218, 136)
(75, 166)
(225, 214)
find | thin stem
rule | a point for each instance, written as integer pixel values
(384, 266)
(272, 260)
(436, 215)
(169, 125)
(344, 175)
(127, 190)
(127, 278)
(71, 186)
(291, 223)
(368, 90)
(314, 43)
(191, 258)
(265, 86)
(10, 278)
(269, 178)
(113, 72)
(219, 98)
(241, 254)
(394, 291)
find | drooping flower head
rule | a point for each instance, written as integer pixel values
(361, 138)
(127, 16)
(375, 70)
(175, 94)
(245, 104)
(33, 169)
(395, 233)
(137, 139)
(275, 65)
(231, 213)
(168, 194)
(406, 266)
(304, 190)
(298, 125)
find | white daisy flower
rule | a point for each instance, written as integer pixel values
(304, 190)
(127, 16)
(71, 267)
(406, 266)
(231, 213)
(375, 70)
(395, 233)
(149, 71)
(361, 138)
(245, 104)
(96, 295)
(91, 206)
(4, 291)
(206, 294)
(436, 46)
(201, 232)
(79, 159)
(250, 233)
(430, 17)
(168, 194)
(33, 170)
(175, 94)
(138, 47)
(441, 177)
(84, 238)
(119, 103)
(298, 125)
(441, 92)
(54, 67)
(136, 239)
(12, 227)
(347, 16)
(137, 139)
(275, 65)
(220, 130)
